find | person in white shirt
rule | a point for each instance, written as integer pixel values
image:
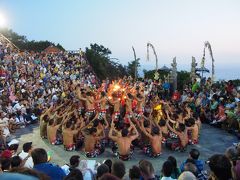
(4, 125)
(187, 175)
(9, 108)
(22, 81)
(25, 155)
(16, 106)
(20, 120)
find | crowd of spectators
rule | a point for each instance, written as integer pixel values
(33, 83)
(33, 163)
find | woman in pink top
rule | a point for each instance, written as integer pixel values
(12, 97)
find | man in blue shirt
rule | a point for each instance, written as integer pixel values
(194, 155)
(166, 87)
(40, 158)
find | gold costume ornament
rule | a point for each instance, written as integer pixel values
(157, 113)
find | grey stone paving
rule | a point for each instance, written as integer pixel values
(212, 140)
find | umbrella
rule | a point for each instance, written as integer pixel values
(202, 69)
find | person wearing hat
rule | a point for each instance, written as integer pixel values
(25, 155)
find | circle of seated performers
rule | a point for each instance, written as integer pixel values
(123, 116)
(62, 91)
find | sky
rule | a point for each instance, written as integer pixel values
(176, 28)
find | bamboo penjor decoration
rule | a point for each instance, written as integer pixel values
(156, 75)
(135, 59)
(208, 45)
(6, 39)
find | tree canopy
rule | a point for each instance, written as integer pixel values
(24, 44)
(98, 58)
(131, 68)
(183, 77)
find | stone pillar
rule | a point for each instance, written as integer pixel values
(193, 69)
(173, 75)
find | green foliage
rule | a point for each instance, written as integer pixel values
(98, 58)
(183, 78)
(23, 44)
(150, 74)
(59, 46)
(132, 67)
(236, 82)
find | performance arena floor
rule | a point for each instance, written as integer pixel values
(212, 141)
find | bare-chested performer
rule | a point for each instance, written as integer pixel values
(53, 124)
(155, 138)
(43, 122)
(140, 106)
(92, 146)
(116, 107)
(103, 108)
(164, 129)
(177, 119)
(81, 103)
(194, 131)
(128, 103)
(102, 128)
(124, 140)
(89, 102)
(54, 112)
(181, 132)
(52, 128)
(69, 131)
(99, 124)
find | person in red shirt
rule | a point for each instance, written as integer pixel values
(230, 87)
(176, 96)
(2, 72)
(220, 116)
